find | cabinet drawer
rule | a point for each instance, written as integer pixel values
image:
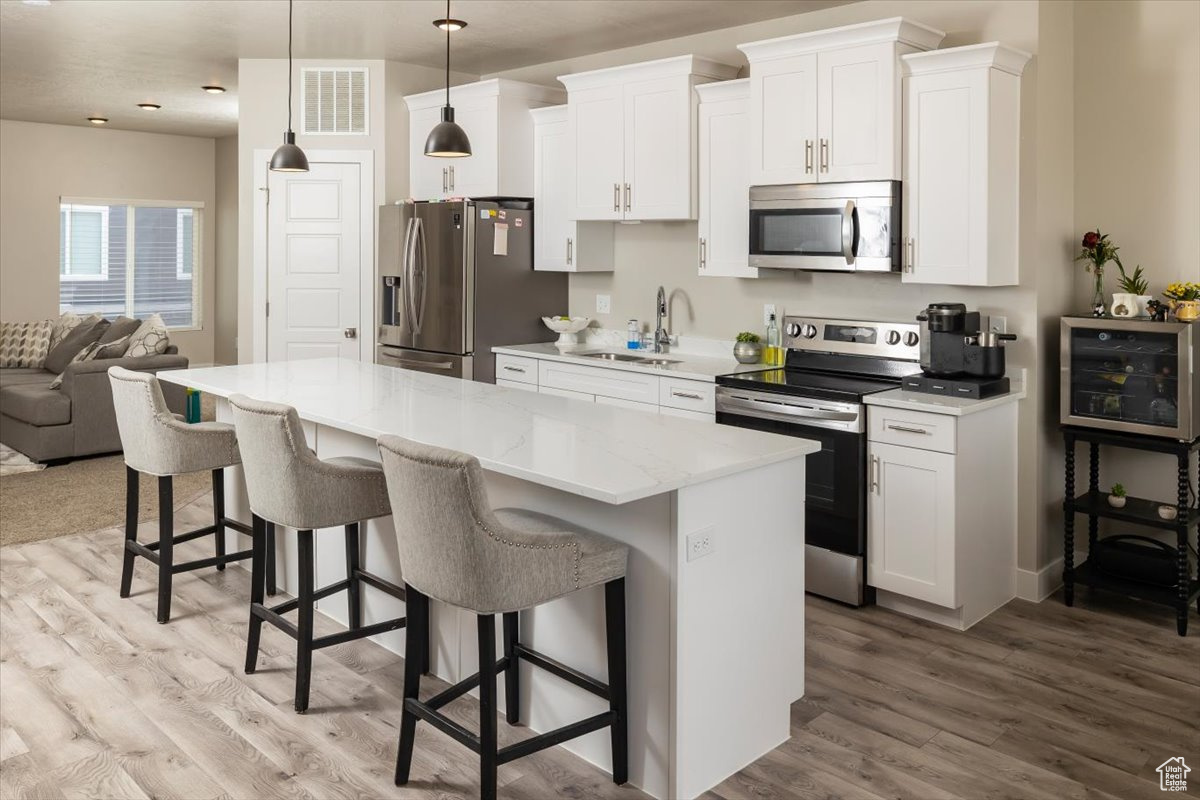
(516, 368)
(688, 395)
(525, 387)
(911, 428)
(597, 380)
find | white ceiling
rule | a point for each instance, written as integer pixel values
(73, 58)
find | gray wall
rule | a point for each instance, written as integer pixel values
(226, 219)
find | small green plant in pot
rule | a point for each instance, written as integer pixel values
(1116, 496)
(748, 348)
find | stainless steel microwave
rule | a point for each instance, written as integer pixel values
(1132, 375)
(841, 227)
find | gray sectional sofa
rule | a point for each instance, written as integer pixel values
(76, 419)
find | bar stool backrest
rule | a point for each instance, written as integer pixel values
(276, 459)
(142, 422)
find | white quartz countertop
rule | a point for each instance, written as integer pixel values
(691, 367)
(606, 453)
(942, 404)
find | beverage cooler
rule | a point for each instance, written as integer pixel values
(1136, 376)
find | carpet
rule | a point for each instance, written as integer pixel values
(13, 462)
(86, 494)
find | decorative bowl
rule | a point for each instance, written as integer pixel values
(1167, 512)
(747, 352)
(567, 328)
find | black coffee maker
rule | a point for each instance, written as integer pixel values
(958, 356)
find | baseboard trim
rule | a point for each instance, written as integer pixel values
(1036, 585)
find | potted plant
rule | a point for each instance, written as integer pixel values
(748, 348)
(1096, 252)
(1116, 496)
(1131, 300)
(1184, 298)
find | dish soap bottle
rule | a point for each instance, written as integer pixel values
(634, 340)
(774, 353)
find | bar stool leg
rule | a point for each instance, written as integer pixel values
(166, 546)
(614, 624)
(487, 707)
(512, 673)
(257, 568)
(131, 525)
(416, 610)
(272, 588)
(304, 636)
(218, 490)
(353, 591)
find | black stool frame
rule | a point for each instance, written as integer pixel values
(162, 552)
(262, 573)
(484, 743)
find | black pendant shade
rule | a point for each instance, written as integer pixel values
(447, 139)
(288, 157)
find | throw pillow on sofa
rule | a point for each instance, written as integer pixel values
(94, 352)
(66, 350)
(25, 344)
(120, 328)
(149, 339)
(66, 323)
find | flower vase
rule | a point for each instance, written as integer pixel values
(1187, 310)
(1099, 307)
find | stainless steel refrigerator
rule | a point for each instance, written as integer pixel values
(456, 279)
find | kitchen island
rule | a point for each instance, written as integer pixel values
(713, 517)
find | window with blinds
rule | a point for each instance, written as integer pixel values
(130, 258)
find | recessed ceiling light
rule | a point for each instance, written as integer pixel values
(98, 120)
(214, 89)
(450, 24)
(149, 106)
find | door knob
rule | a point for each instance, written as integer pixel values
(350, 333)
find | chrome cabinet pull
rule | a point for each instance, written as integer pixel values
(686, 395)
(570, 250)
(824, 155)
(875, 474)
(445, 180)
(703, 254)
(906, 429)
(511, 368)
(616, 197)
(628, 195)
(909, 254)
(808, 156)
(452, 178)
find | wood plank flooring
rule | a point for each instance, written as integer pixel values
(1037, 702)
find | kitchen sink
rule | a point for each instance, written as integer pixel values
(649, 361)
(659, 362)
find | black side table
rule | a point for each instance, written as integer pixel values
(1094, 504)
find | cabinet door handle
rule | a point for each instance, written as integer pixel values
(445, 179)
(511, 368)
(686, 395)
(906, 429)
(452, 178)
(628, 196)
(824, 155)
(616, 197)
(875, 474)
(910, 254)
(808, 156)
(703, 254)
(570, 250)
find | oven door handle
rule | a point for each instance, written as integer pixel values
(801, 412)
(849, 231)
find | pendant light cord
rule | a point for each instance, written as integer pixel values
(289, 65)
(447, 53)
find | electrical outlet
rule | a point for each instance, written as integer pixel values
(701, 543)
(768, 310)
(603, 304)
(998, 324)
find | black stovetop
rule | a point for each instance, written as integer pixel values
(803, 383)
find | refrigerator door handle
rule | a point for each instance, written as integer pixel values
(410, 257)
(421, 273)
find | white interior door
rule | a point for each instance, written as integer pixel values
(315, 260)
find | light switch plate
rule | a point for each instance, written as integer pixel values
(768, 310)
(701, 543)
(603, 304)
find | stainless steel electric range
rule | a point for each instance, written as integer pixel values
(818, 394)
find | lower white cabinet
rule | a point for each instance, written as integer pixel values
(942, 511)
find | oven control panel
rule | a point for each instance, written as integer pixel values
(853, 337)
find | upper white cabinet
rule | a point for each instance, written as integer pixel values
(561, 244)
(495, 116)
(632, 135)
(961, 165)
(825, 106)
(725, 180)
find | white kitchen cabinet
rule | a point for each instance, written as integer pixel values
(941, 511)
(825, 106)
(724, 211)
(561, 244)
(525, 387)
(962, 118)
(495, 116)
(602, 400)
(591, 398)
(632, 136)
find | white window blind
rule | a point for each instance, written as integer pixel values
(131, 257)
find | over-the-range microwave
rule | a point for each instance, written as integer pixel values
(1131, 375)
(840, 227)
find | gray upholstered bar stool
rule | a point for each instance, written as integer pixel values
(159, 443)
(457, 550)
(288, 485)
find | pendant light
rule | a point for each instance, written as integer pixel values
(447, 139)
(289, 157)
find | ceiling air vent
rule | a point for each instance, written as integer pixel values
(335, 101)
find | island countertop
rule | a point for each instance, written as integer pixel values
(607, 453)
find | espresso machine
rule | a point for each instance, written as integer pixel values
(959, 355)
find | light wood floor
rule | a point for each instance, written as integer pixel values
(1037, 702)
